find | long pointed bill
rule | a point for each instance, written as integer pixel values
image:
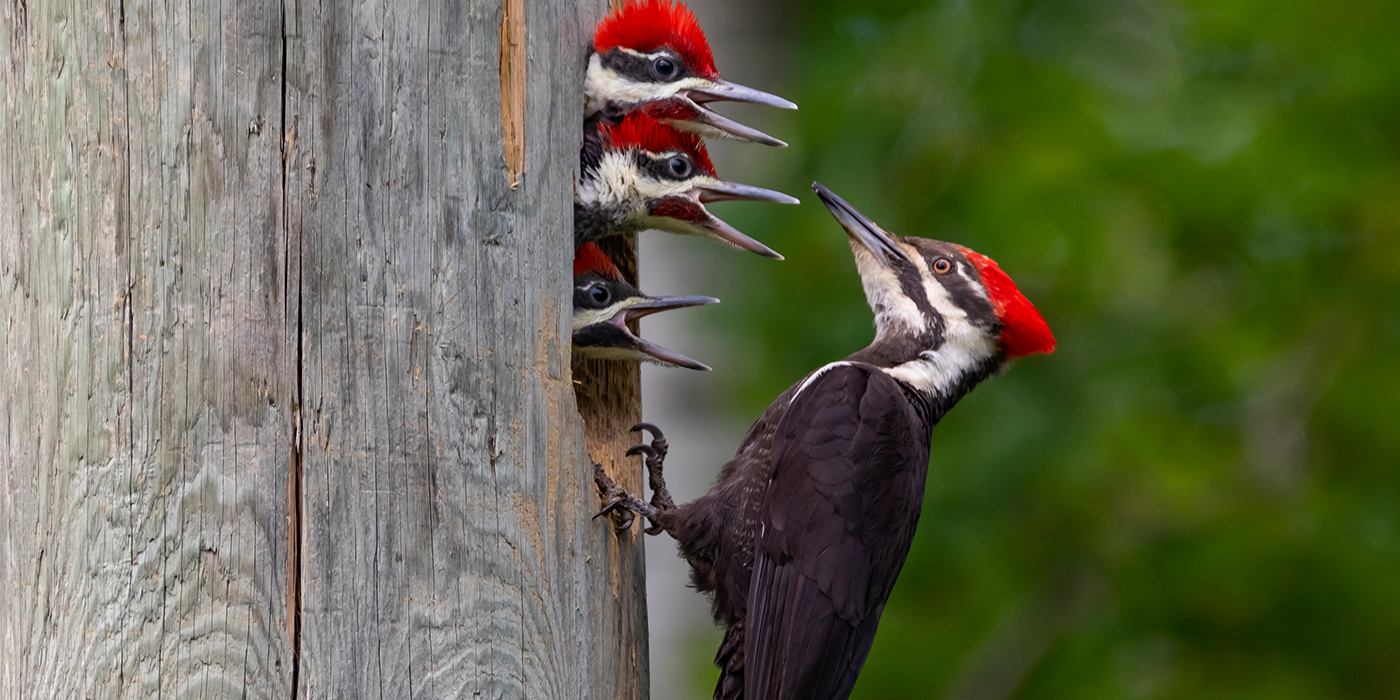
(669, 357)
(728, 191)
(733, 236)
(654, 305)
(860, 227)
(725, 91)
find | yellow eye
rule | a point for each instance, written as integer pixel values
(942, 266)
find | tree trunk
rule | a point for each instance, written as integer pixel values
(287, 407)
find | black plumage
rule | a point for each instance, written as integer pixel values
(801, 540)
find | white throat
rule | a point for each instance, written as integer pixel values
(965, 347)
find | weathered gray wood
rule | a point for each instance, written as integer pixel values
(145, 364)
(286, 406)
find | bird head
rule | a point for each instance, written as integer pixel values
(946, 317)
(652, 176)
(651, 55)
(604, 304)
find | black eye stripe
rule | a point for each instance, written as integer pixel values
(639, 68)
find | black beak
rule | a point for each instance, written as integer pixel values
(725, 91)
(730, 191)
(658, 304)
(718, 228)
(860, 228)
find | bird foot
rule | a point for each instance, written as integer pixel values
(618, 502)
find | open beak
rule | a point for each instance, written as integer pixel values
(655, 305)
(688, 111)
(860, 228)
(686, 213)
(721, 191)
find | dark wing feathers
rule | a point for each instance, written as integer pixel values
(850, 458)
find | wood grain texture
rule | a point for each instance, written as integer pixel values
(610, 401)
(287, 407)
(145, 353)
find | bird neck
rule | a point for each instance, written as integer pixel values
(941, 372)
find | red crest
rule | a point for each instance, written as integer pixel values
(590, 258)
(639, 131)
(1024, 331)
(647, 25)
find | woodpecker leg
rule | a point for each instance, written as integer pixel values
(618, 501)
(655, 458)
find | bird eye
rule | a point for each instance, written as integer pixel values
(664, 67)
(942, 266)
(600, 294)
(679, 166)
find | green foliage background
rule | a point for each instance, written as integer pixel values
(1196, 495)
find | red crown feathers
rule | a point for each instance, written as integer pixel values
(639, 131)
(647, 25)
(1024, 331)
(590, 258)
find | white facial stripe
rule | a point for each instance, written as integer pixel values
(964, 348)
(588, 317)
(603, 85)
(894, 311)
(972, 283)
(934, 290)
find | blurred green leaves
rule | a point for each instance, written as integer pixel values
(1197, 495)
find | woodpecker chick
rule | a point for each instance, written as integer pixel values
(651, 55)
(800, 541)
(652, 176)
(603, 306)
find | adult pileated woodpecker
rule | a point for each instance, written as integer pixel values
(652, 56)
(603, 306)
(652, 176)
(800, 541)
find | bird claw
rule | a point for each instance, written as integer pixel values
(655, 458)
(658, 441)
(618, 502)
(623, 505)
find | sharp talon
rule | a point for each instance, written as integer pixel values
(610, 507)
(653, 530)
(648, 450)
(648, 427)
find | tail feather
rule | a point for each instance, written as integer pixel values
(730, 660)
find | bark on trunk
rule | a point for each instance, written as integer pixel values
(287, 407)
